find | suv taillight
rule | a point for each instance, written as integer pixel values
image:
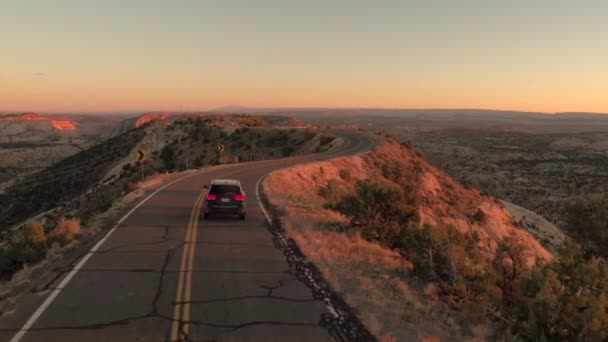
(211, 196)
(239, 197)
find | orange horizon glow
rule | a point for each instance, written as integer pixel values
(197, 56)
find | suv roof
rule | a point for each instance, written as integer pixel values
(225, 182)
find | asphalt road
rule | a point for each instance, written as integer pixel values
(163, 274)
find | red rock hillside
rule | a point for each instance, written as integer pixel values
(443, 201)
(145, 118)
(62, 124)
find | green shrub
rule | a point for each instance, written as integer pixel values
(13, 257)
(587, 222)
(102, 201)
(380, 212)
(333, 191)
(278, 138)
(566, 299)
(443, 253)
(168, 157)
(344, 174)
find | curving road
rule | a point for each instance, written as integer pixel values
(164, 274)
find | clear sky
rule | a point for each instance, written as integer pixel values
(117, 55)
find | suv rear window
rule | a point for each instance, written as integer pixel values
(221, 189)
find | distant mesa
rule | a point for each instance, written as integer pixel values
(62, 124)
(145, 118)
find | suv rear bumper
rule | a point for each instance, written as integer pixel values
(219, 209)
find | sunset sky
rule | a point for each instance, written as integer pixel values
(164, 55)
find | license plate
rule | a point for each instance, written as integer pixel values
(225, 200)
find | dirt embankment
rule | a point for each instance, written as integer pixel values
(376, 281)
(443, 200)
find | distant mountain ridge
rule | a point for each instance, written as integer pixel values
(396, 111)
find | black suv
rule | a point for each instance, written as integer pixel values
(225, 196)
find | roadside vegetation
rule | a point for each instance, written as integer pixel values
(423, 281)
(194, 142)
(559, 300)
(31, 244)
(587, 222)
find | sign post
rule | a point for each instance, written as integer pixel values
(141, 156)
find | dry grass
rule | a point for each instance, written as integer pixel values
(366, 275)
(370, 278)
(376, 281)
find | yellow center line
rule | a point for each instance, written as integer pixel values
(187, 298)
(188, 249)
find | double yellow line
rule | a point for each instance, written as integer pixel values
(181, 310)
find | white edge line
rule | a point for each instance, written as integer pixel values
(327, 303)
(55, 292)
(257, 195)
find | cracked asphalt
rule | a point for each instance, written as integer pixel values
(242, 287)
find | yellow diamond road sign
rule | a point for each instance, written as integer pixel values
(141, 155)
(220, 148)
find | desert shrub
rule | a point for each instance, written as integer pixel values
(278, 138)
(397, 172)
(344, 174)
(443, 253)
(101, 202)
(127, 169)
(587, 222)
(236, 135)
(33, 233)
(407, 144)
(13, 257)
(421, 250)
(167, 155)
(252, 121)
(66, 228)
(510, 265)
(333, 191)
(380, 212)
(31, 249)
(479, 216)
(566, 299)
